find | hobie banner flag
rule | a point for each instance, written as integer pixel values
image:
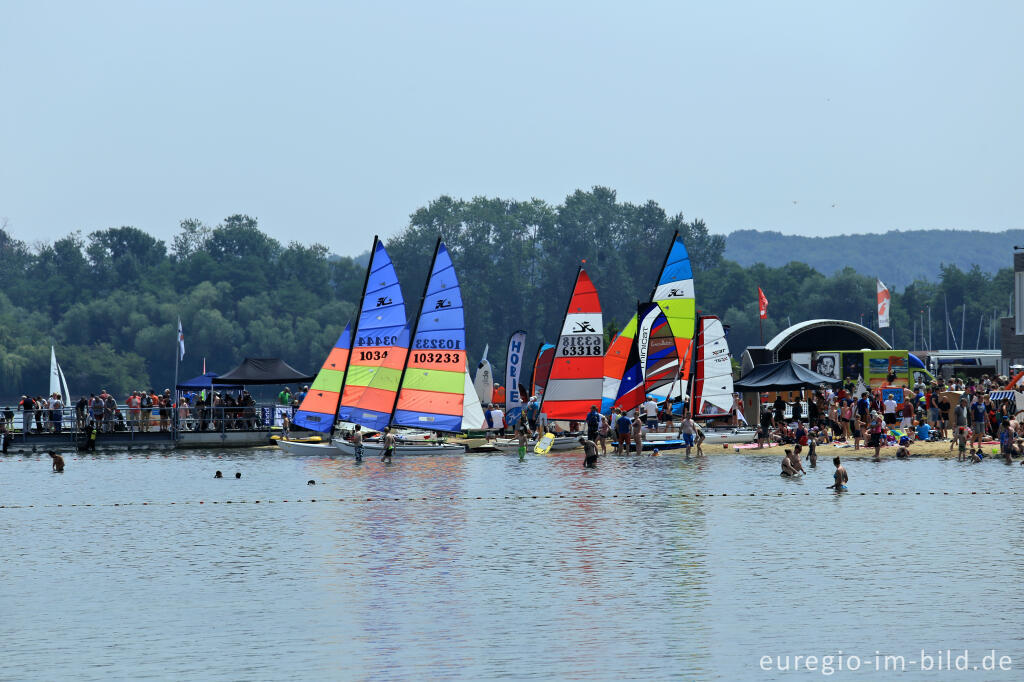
(883, 305)
(762, 304)
(513, 370)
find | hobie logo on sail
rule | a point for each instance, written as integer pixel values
(384, 300)
(583, 328)
(443, 303)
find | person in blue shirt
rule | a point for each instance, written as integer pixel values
(924, 432)
(979, 415)
(863, 405)
(623, 427)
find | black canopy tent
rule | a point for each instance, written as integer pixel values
(261, 371)
(781, 376)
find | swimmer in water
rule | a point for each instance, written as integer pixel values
(788, 470)
(218, 475)
(589, 453)
(840, 477)
(656, 453)
(238, 474)
(58, 462)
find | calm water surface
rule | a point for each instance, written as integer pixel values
(554, 573)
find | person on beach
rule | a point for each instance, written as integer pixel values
(778, 410)
(650, 408)
(765, 430)
(979, 415)
(589, 453)
(875, 433)
(357, 442)
(389, 445)
(840, 477)
(903, 451)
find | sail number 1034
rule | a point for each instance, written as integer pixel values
(373, 355)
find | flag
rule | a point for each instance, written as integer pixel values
(883, 305)
(181, 341)
(762, 303)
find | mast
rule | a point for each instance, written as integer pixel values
(415, 326)
(355, 328)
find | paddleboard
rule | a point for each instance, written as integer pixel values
(544, 444)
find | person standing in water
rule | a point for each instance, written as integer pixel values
(812, 449)
(522, 429)
(389, 445)
(687, 431)
(589, 453)
(357, 442)
(58, 462)
(788, 470)
(840, 477)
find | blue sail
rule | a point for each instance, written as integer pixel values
(433, 384)
(379, 347)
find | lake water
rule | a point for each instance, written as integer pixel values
(478, 566)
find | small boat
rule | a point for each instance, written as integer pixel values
(561, 444)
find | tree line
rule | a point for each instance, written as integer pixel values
(110, 300)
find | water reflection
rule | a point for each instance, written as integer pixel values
(485, 566)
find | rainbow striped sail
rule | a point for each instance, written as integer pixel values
(432, 390)
(674, 295)
(319, 407)
(575, 382)
(379, 348)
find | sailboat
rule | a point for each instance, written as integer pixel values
(712, 387)
(58, 384)
(541, 368)
(319, 409)
(484, 381)
(431, 390)
(674, 298)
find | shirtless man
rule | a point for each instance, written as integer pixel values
(522, 428)
(687, 431)
(357, 442)
(389, 445)
(840, 477)
(58, 462)
(788, 469)
(589, 453)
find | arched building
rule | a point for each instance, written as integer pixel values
(802, 339)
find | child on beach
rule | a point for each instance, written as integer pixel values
(961, 442)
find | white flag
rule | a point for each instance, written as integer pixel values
(883, 305)
(181, 341)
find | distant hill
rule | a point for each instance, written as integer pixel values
(896, 257)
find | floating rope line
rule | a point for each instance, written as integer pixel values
(512, 498)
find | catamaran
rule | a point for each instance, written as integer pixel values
(319, 409)
(427, 388)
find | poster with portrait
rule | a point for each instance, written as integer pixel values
(827, 365)
(853, 366)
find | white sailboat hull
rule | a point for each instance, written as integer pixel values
(292, 447)
(713, 436)
(560, 444)
(405, 449)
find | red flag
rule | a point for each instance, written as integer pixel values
(762, 303)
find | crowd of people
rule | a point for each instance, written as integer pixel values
(966, 412)
(141, 411)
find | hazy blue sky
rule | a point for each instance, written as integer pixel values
(331, 121)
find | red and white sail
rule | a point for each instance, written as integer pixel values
(577, 370)
(712, 389)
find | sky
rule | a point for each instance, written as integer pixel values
(332, 121)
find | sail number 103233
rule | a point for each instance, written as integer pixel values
(436, 357)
